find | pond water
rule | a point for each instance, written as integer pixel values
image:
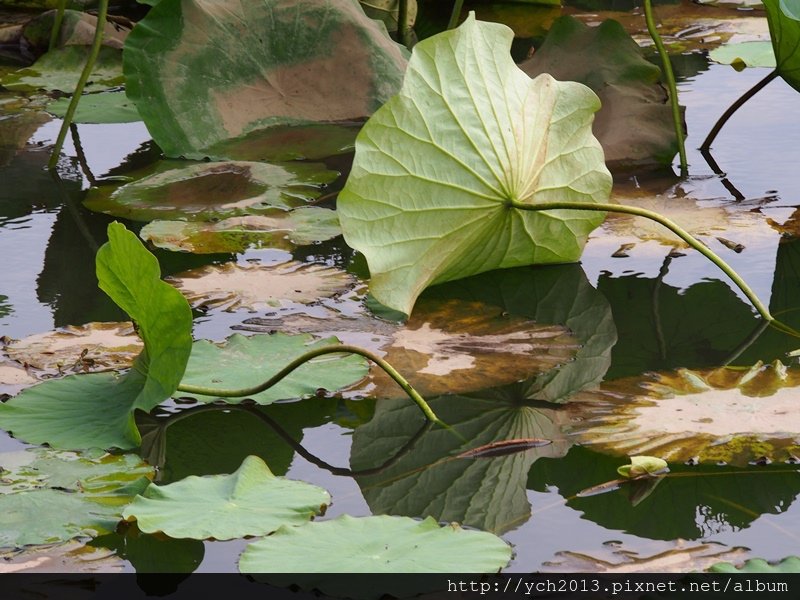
(648, 312)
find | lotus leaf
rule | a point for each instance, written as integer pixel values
(724, 415)
(438, 167)
(429, 479)
(48, 496)
(387, 11)
(208, 191)
(14, 378)
(790, 564)
(248, 361)
(281, 230)
(59, 70)
(643, 465)
(105, 107)
(678, 557)
(253, 65)
(528, 20)
(745, 54)
(69, 557)
(77, 29)
(248, 286)
(96, 410)
(784, 29)
(251, 501)
(91, 347)
(379, 544)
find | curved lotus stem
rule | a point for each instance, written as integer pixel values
(300, 360)
(677, 230)
(76, 95)
(670, 77)
(457, 6)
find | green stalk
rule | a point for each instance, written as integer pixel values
(62, 5)
(300, 360)
(457, 6)
(672, 226)
(76, 95)
(673, 89)
(402, 22)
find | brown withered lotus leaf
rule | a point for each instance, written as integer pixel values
(91, 347)
(14, 378)
(70, 557)
(251, 286)
(678, 557)
(454, 346)
(724, 415)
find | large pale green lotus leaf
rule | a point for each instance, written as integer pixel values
(745, 54)
(428, 479)
(204, 71)
(436, 168)
(251, 501)
(59, 70)
(284, 230)
(634, 124)
(48, 496)
(380, 544)
(723, 415)
(96, 410)
(244, 361)
(388, 10)
(105, 107)
(208, 191)
(784, 29)
(790, 564)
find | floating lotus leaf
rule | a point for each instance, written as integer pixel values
(92, 347)
(251, 501)
(248, 361)
(457, 347)
(70, 557)
(254, 67)
(745, 54)
(288, 142)
(59, 70)
(724, 415)
(438, 166)
(48, 496)
(14, 378)
(249, 286)
(96, 410)
(679, 557)
(379, 544)
(208, 191)
(634, 124)
(790, 564)
(104, 107)
(428, 478)
(279, 230)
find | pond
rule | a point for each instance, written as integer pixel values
(639, 312)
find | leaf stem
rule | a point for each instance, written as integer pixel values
(672, 226)
(673, 88)
(454, 16)
(704, 147)
(59, 18)
(311, 354)
(76, 95)
(402, 22)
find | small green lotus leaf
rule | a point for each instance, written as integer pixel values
(69, 557)
(233, 286)
(244, 361)
(437, 167)
(790, 564)
(309, 141)
(340, 65)
(634, 124)
(105, 107)
(284, 230)
(671, 557)
(59, 70)
(784, 29)
(643, 465)
(48, 496)
(380, 544)
(722, 415)
(208, 191)
(91, 347)
(745, 54)
(251, 501)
